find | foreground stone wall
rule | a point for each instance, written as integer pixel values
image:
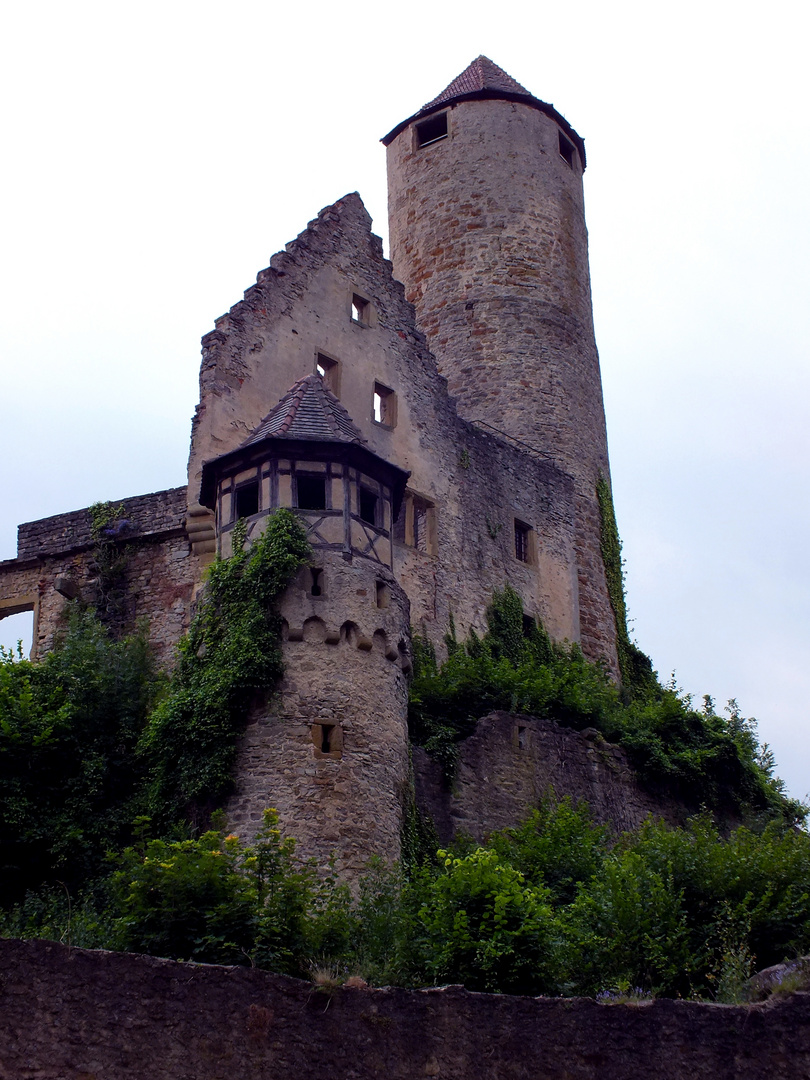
(70, 1013)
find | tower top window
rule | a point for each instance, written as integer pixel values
(567, 150)
(432, 130)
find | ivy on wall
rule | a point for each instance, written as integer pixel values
(231, 654)
(634, 666)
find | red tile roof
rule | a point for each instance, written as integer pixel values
(308, 411)
(482, 74)
(483, 79)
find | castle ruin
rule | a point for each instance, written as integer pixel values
(435, 420)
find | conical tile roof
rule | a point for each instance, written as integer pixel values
(480, 80)
(308, 411)
(482, 74)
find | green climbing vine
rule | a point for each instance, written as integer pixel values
(230, 656)
(111, 558)
(635, 667)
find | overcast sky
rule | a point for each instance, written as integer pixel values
(157, 154)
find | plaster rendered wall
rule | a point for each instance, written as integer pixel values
(511, 762)
(110, 1016)
(347, 662)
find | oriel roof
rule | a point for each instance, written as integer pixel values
(308, 411)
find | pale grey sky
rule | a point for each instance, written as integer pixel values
(157, 155)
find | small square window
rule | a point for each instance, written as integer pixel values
(311, 492)
(384, 405)
(361, 309)
(328, 740)
(246, 501)
(369, 503)
(431, 130)
(567, 150)
(329, 370)
(522, 541)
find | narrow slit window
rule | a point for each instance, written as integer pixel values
(368, 506)
(432, 130)
(521, 738)
(328, 369)
(311, 492)
(420, 525)
(383, 595)
(385, 405)
(316, 586)
(567, 150)
(246, 501)
(360, 310)
(326, 739)
(522, 541)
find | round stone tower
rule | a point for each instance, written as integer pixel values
(487, 233)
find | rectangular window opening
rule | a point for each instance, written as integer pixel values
(521, 738)
(368, 506)
(522, 534)
(360, 310)
(246, 501)
(432, 130)
(328, 369)
(567, 150)
(415, 526)
(326, 738)
(385, 405)
(311, 492)
(383, 595)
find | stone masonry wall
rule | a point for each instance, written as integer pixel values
(111, 1016)
(159, 579)
(488, 235)
(141, 515)
(511, 762)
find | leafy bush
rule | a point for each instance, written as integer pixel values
(83, 746)
(214, 899)
(69, 774)
(481, 924)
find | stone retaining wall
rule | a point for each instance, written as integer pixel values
(71, 1014)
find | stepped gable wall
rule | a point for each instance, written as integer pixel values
(475, 482)
(71, 1012)
(511, 762)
